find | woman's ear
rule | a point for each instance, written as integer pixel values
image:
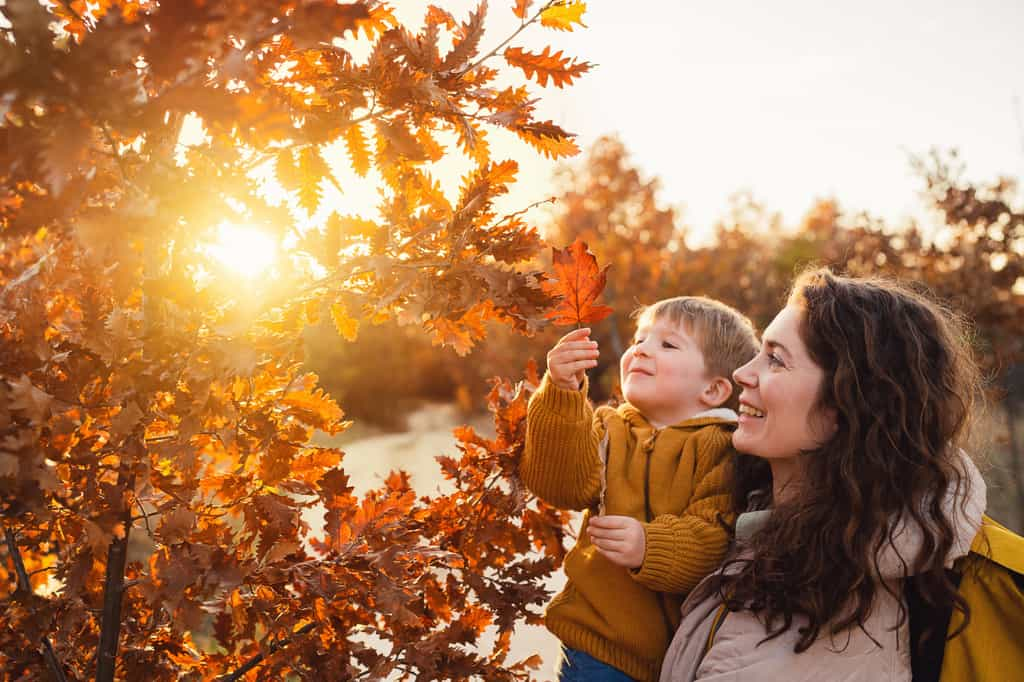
(717, 392)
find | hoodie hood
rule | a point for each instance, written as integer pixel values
(636, 418)
(963, 506)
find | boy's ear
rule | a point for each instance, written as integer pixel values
(717, 392)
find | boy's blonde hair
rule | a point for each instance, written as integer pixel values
(726, 336)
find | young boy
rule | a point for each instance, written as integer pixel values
(652, 474)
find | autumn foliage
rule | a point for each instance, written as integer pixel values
(148, 394)
(578, 283)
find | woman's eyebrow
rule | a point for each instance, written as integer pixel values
(773, 345)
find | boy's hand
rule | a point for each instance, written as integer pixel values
(621, 539)
(571, 357)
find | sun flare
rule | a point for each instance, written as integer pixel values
(244, 250)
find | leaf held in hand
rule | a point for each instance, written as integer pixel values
(579, 281)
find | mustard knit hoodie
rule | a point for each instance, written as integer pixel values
(674, 480)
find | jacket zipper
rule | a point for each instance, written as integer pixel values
(649, 514)
(647, 481)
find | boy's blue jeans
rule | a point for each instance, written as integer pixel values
(577, 666)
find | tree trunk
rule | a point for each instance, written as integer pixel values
(113, 590)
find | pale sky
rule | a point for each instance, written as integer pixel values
(790, 99)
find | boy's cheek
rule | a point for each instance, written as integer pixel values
(629, 392)
(627, 357)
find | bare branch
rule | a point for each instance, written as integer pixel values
(52, 662)
(258, 658)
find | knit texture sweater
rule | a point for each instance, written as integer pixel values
(675, 480)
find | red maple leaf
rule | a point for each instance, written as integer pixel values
(579, 282)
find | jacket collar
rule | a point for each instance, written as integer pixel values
(636, 418)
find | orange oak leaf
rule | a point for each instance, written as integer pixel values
(440, 17)
(358, 151)
(545, 65)
(463, 333)
(579, 281)
(549, 139)
(521, 8)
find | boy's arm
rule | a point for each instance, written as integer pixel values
(682, 550)
(560, 463)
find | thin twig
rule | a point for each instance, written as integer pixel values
(52, 662)
(258, 658)
(510, 216)
(42, 570)
(509, 39)
(149, 529)
(175, 436)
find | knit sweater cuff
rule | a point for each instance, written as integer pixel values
(569, 405)
(661, 556)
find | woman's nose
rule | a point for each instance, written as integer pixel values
(745, 375)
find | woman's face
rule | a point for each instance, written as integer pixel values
(779, 416)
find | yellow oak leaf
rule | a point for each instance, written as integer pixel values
(347, 326)
(563, 15)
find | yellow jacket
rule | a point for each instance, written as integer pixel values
(991, 647)
(675, 480)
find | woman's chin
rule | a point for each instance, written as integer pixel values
(745, 442)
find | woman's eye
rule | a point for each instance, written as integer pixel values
(774, 360)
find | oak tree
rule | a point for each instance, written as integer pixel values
(149, 394)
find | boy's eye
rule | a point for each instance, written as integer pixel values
(637, 340)
(667, 344)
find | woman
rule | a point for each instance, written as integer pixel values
(852, 480)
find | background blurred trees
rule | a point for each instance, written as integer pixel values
(973, 260)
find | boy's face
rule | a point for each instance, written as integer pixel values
(663, 373)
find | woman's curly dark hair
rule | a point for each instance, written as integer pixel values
(900, 375)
